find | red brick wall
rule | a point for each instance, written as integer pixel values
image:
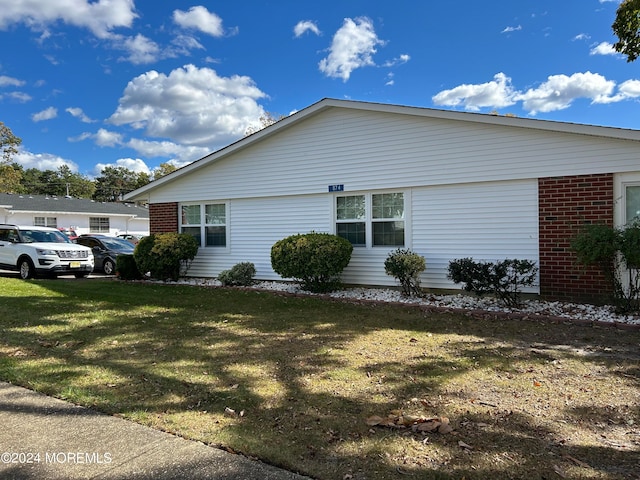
(163, 217)
(565, 204)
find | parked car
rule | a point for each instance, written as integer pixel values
(46, 251)
(105, 250)
(129, 237)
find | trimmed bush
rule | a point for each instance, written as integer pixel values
(240, 274)
(166, 255)
(126, 268)
(406, 267)
(314, 259)
(504, 278)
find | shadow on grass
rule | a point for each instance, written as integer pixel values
(273, 376)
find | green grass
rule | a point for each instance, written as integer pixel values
(302, 375)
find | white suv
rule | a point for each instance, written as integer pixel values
(42, 251)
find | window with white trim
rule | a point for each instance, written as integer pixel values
(51, 222)
(99, 224)
(632, 203)
(207, 222)
(374, 219)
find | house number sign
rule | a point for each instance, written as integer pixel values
(336, 188)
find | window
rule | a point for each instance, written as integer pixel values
(376, 219)
(388, 219)
(350, 216)
(632, 203)
(206, 222)
(99, 224)
(51, 222)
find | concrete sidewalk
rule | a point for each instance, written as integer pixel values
(44, 438)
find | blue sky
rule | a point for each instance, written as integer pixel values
(136, 83)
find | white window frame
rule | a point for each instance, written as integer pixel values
(202, 225)
(41, 221)
(369, 220)
(101, 222)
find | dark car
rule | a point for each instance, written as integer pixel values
(105, 250)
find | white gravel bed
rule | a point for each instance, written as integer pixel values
(572, 311)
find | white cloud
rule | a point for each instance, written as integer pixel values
(557, 93)
(496, 94)
(134, 164)
(630, 88)
(78, 113)
(46, 114)
(199, 18)
(100, 16)
(17, 96)
(182, 154)
(42, 161)
(512, 29)
(105, 138)
(352, 47)
(560, 91)
(603, 48)
(581, 36)
(404, 58)
(190, 105)
(305, 26)
(140, 49)
(10, 81)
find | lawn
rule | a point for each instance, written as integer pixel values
(299, 381)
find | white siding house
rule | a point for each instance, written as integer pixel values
(80, 214)
(460, 185)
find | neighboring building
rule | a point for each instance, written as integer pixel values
(80, 214)
(445, 184)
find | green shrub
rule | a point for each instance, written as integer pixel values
(316, 260)
(406, 267)
(610, 249)
(166, 255)
(504, 278)
(126, 268)
(240, 274)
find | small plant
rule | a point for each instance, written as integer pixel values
(240, 274)
(504, 279)
(126, 268)
(166, 255)
(406, 267)
(316, 260)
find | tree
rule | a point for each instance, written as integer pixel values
(265, 120)
(9, 175)
(117, 181)
(9, 143)
(59, 182)
(627, 28)
(163, 169)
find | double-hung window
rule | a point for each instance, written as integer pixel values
(99, 224)
(207, 222)
(371, 220)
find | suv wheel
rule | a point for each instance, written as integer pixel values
(109, 267)
(26, 269)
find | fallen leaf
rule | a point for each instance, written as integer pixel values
(464, 445)
(375, 420)
(445, 428)
(229, 411)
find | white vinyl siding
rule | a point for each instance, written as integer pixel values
(256, 224)
(366, 151)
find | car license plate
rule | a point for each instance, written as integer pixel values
(74, 264)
